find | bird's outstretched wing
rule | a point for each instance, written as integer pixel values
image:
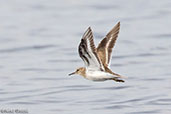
(104, 48)
(88, 53)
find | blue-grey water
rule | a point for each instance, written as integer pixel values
(38, 49)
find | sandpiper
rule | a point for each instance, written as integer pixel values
(97, 59)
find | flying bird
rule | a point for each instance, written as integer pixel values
(97, 60)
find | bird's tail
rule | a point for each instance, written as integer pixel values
(118, 76)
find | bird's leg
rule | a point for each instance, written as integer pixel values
(118, 80)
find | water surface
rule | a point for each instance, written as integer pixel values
(38, 48)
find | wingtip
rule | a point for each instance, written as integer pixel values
(118, 23)
(89, 28)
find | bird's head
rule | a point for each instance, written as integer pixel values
(80, 71)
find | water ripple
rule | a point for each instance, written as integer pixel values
(23, 103)
(117, 88)
(165, 101)
(117, 107)
(167, 36)
(26, 48)
(146, 98)
(145, 112)
(39, 69)
(139, 55)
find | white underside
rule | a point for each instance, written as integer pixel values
(99, 75)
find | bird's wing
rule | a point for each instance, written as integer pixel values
(104, 48)
(88, 53)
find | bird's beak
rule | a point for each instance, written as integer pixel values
(71, 73)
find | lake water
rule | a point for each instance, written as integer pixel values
(38, 49)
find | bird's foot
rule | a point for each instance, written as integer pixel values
(118, 80)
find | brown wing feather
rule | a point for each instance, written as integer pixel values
(104, 49)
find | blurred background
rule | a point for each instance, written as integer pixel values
(38, 49)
